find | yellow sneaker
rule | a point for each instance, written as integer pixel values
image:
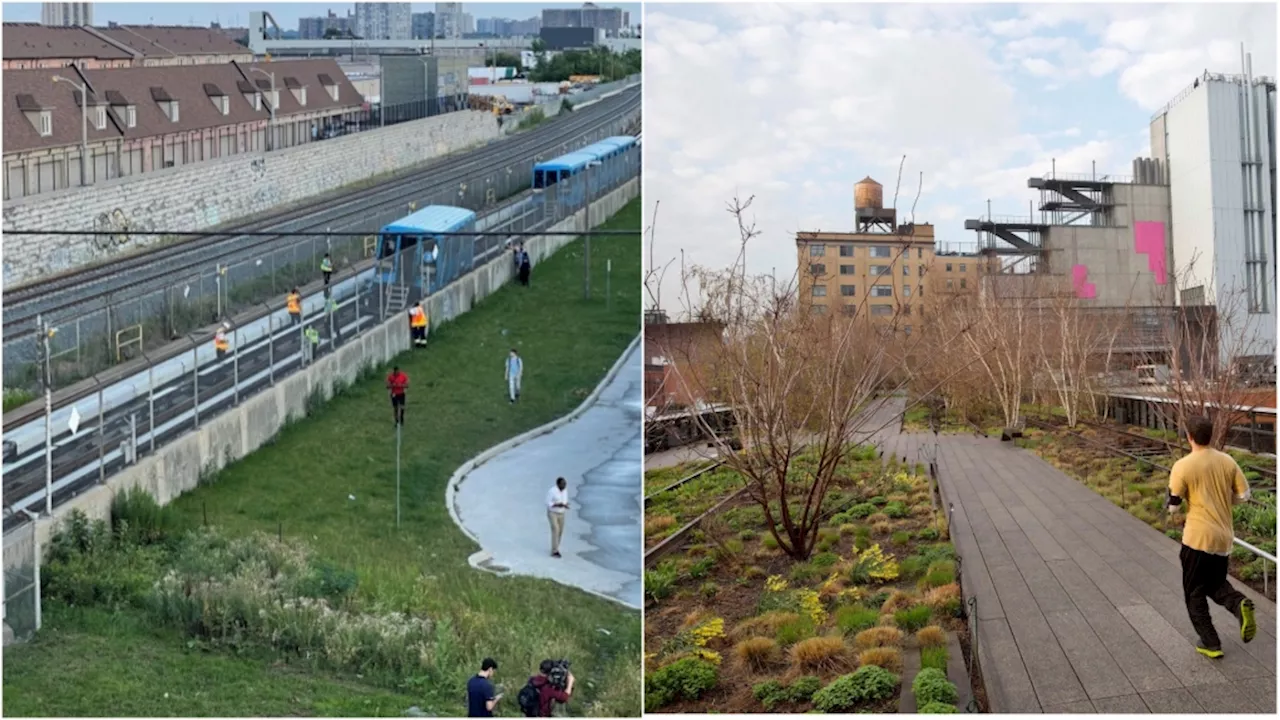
(1248, 625)
(1211, 654)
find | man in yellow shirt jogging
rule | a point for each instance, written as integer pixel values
(1210, 482)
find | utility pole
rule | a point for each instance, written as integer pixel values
(46, 379)
(84, 126)
(271, 127)
(398, 427)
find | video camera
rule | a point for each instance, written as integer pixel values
(558, 676)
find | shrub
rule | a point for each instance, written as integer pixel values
(934, 657)
(877, 637)
(944, 600)
(912, 567)
(819, 653)
(937, 708)
(902, 537)
(848, 529)
(824, 560)
(757, 653)
(803, 688)
(897, 600)
(794, 631)
(805, 573)
(748, 535)
(686, 678)
(872, 564)
(941, 572)
(928, 533)
(889, 658)
(882, 528)
(869, 684)
(931, 636)
(660, 581)
(931, 685)
(770, 693)
(753, 572)
(699, 569)
(136, 516)
(853, 619)
(861, 511)
(769, 541)
(878, 500)
(878, 518)
(709, 589)
(895, 510)
(914, 618)
(87, 564)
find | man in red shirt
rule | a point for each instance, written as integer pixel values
(548, 694)
(397, 382)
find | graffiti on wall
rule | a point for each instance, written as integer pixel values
(1149, 240)
(112, 231)
(1085, 290)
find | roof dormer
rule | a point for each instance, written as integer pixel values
(219, 99)
(329, 86)
(168, 104)
(251, 94)
(298, 90)
(40, 117)
(123, 108)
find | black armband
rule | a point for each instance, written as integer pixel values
(1174, 500)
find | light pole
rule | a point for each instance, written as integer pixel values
(84, 126)
(586, 255)
(46, 364)
(271, 126)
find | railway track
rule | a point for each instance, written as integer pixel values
(361, 210)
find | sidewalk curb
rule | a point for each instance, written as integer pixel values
(477, 559)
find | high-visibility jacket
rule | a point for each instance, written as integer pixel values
(417, 317)
(326, 265)
(220, 341)
(313, 335)
(295, 304)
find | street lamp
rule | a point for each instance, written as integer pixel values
(84, 126)
(271, 127)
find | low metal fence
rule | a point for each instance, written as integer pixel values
(21, 585)
(152, 312)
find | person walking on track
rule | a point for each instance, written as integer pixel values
(418, 324)
(326, 267)
(397, 383)
(294, 303)
(1209, 482)
(515, 372)
(220, 342)
(557, 505)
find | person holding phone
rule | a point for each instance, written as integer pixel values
(482, 697)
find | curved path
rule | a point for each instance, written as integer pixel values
(599, 451)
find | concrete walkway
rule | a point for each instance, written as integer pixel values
(1079, 604)
(599, 453)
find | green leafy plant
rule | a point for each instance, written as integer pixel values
(934, 657)
(686, 678)
(770, 693)
(931, 685)
(938, 708)
(912, 619)
(803, 688)
(861, 510)
(660, 581)
(896, 510)
(853, 619)
(868, 684)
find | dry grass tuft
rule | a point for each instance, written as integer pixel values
(757, 653)
(766, 624)
(931, 636)
(820, 654)
(878, 637)
(939, 596)
(898, 600)
(887, 620)
(889, 658)
(694, 618)
(877, 518)
(882, 528)
(658, 523)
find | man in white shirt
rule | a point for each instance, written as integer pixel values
(515, 372)
(557, 505)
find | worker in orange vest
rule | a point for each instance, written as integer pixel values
(220, 342)
(294, 301)
(418, 324)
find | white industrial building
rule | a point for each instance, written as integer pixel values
(1217, 141)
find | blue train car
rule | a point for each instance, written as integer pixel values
(420, 236)
(572, 195)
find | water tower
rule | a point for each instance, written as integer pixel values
(870, 214)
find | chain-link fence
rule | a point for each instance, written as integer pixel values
(21, 584)
(177, 387)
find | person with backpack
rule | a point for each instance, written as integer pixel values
(538, 697)
(482, 697)
(525, 267)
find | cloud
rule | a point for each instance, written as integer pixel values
(793, 104)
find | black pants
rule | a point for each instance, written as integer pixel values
(1204, 576)
(524, 274)
(327, 276)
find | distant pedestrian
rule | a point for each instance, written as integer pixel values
(557, 506)
(525, 267)
(397, 383)
(294, 303)
(331, 307)
(515, 372)
(482, 697)
(1210, 482)
(418, 325)
(312, 344)
(220, 343)
(326, 267)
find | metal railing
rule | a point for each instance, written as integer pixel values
(21, 585)
(104, 424)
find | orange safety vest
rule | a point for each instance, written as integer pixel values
(417, 317)
(295, 304)
(220, 341)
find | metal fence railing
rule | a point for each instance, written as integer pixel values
(60, 169)
(21, 585)
(146, 315)
(167, 391)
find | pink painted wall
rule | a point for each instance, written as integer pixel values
(1149, 240)
(1085, 290)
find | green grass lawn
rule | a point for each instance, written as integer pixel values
(302, 484)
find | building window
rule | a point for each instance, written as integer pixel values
(906, 271)
(963, 267)
(920, 271)
(921, 291)
(879, 269)
(951, 284)
(817, 269)
(302, 96)
(849, 309)
(848, 290)
(333, 91)
(819, 290)
(963, 283)
(275, 98)
(906, 291)
(131, 116)
(846, 269)
(919, 253)
(818, 309)
(906, 310)
(257, 101)
(948, 267)
(46, 123)
(881, 310)
(100, 117)
(880, 251)
(173, 111)
(224, 104)
(881, 291)
(846, 251)
(817, 250)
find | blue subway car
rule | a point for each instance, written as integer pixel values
(421, 237)
(556, 171)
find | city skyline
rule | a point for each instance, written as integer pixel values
(286, 14)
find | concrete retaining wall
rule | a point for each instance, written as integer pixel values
(204, 195)
(177, 467)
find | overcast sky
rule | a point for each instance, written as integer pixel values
(796, 103)
(235, 14)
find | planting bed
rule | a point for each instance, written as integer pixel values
(667, 512)
(1142, 489)
(737, 626)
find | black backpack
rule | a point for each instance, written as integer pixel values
(530, 699)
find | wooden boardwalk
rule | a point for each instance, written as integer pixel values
(1079, 604)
